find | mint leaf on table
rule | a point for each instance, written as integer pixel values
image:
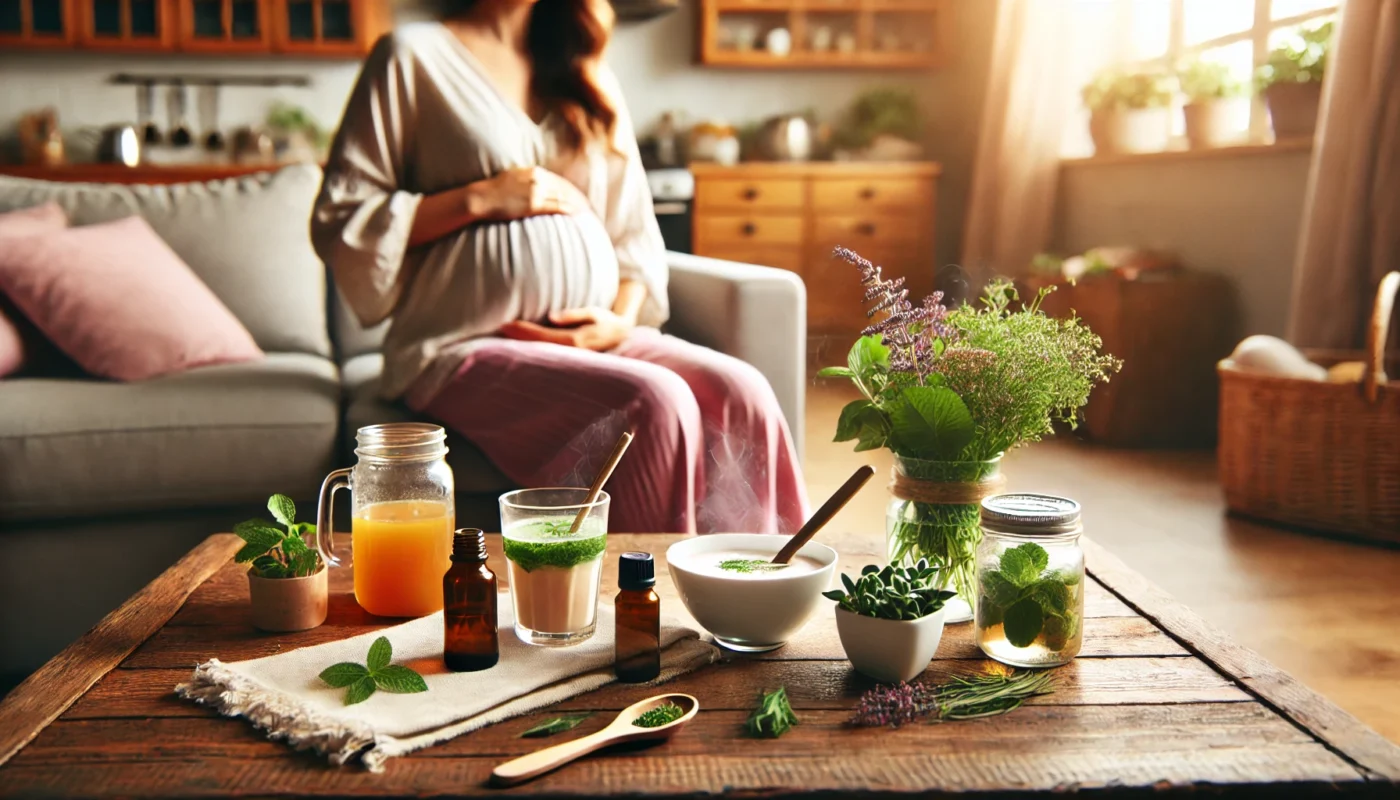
(282, 509)
(1023, 622)
(556, 725)
(399, 680)
(379, 674)
(344, 673)
(359, 691)
(380, 654)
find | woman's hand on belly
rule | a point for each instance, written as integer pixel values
(590, 328)
(523, 192)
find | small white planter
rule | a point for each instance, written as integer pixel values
(889, 650)
(1138, 130)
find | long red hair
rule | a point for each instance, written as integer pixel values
(566, 40)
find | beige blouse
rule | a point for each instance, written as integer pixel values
(424, 118)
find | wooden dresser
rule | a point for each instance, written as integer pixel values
(791, 216)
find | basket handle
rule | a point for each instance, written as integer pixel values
(1376, 335)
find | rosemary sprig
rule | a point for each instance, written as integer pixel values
(749, 565)
(959, 699)
(773, 717)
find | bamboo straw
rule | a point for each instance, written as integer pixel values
(824, 514)
(607, 471)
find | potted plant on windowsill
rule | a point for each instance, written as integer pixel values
(286, 578)
(1129, 112)
(1291, 81)
(1212, 93)
(890, 620)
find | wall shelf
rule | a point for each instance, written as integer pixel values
(825, 34)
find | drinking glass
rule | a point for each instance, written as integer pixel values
(554, 574)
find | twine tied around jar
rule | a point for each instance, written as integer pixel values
(920, 490)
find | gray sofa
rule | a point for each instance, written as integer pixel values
(103, 485)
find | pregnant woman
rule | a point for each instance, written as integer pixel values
(485, 191)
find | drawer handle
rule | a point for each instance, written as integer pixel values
(868, 193)
(751, 193)
(866, 229)
(749, 229)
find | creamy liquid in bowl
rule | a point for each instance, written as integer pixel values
(748, 565)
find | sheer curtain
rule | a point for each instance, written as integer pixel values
(1043, 51)
(1351, 217)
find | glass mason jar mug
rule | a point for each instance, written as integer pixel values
(1030, 580)
(401, 521)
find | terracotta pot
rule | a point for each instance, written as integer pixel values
(1134, 130)
(889, 650)
(282, 605)
(1293, 108)
(1208, 123)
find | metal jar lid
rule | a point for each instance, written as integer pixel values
(1030, 514)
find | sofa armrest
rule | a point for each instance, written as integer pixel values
(757, 314)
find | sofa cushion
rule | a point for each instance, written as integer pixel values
(229, 434)
(16, 334)
(247, 238)
(117, 300)
(472, 471)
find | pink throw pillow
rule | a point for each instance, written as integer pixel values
(119, 301)
(16, 335)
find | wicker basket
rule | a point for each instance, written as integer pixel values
(1315, 454)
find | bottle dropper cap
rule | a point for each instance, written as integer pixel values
(636, 571)
(469, 543)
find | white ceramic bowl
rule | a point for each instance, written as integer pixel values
(756, 613)
(889, 650)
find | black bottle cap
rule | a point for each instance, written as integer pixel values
(469, 543)
(636, 571)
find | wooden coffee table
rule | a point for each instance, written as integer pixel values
(1158, 703)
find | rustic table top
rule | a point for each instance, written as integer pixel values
(1157, 703)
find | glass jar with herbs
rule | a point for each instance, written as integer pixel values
(1030, 580)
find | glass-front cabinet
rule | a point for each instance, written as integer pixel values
(36, 23)
(126, 24)
(333, 28)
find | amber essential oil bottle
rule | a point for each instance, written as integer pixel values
(638, 612)
(469, 606)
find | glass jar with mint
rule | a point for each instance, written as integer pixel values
(1030, 580)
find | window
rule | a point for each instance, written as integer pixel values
(1165, 33)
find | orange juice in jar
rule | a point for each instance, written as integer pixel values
(402, 548)
(402, 518)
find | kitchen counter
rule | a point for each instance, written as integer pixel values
(145, 173)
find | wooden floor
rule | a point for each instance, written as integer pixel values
(1327, 611)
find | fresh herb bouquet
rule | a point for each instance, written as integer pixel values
(949, 391)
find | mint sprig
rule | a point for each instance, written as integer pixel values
(276, 553)
(375, 673)
(1029, 600)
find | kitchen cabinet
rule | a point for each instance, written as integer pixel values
(39, 24)
(126, 24)
(791, 216)
(329, 27)
(824, 34)
(225, 26)
(317, 28)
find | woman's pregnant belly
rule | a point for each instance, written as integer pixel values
(546, 263)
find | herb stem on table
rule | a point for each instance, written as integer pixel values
(773, 717)
(958, 699)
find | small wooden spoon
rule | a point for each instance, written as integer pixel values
(618, 731)
(824, 514)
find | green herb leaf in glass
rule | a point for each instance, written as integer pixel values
(1023, 622)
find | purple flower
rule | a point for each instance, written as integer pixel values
(908, 331)
(894, 705)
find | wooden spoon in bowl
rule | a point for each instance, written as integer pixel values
(824, 514)
(618, 731)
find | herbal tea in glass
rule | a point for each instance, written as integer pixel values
(554, 571)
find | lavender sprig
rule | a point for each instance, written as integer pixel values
(908, 331)
(960, 698)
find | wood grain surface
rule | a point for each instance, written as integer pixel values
(1157, 704)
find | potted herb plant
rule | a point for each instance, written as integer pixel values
(949, 392)
(890, 620)
(1291, 80)
(286, 578)
(1129, 112)
(1212, 93)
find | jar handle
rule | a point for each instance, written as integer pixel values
(325, 517)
